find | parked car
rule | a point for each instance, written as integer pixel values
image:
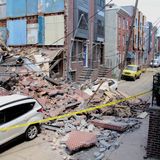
(132, 71)
(155, 63)
(16, 110)
(113, 84)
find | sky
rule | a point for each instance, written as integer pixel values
(150, 8)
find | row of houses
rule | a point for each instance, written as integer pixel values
(85, 38)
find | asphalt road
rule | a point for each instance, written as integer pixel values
(39, 149)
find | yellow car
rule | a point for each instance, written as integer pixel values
(132, 71)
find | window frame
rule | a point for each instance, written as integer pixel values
(1, 123)
(100, 27)
(83, 23)
(15, 116)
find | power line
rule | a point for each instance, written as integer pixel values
(128, 42)
(93, 46)
(87, 20)
(50, 61)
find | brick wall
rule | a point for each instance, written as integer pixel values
(153, 148)
(123, 32)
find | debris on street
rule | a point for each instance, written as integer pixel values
(100, 128)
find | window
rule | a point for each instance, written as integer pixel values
(94, 53)
(127, 37)
(101, 3)
(73, 75)
(110, 83)
(123, 23)
(100, 27)
(73, 55)
(124, 42)
(140, 26)
(140, 40)
(127, 24)
(119, 22)
(135, 39)
(80, 51)
(136, 22)
(84, 20)
(2, 118)
(17, 111)
(119, 40)
(131, 68)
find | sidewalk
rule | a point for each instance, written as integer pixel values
(133, 146)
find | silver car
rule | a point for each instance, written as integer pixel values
(17, 110)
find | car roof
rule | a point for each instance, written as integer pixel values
(12, 98)
(133, 65)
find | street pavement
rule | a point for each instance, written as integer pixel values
(134, 144)
(132, 147)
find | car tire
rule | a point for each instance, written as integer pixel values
(134, 78)
(32, 132)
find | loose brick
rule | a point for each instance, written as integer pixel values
(116, 126)
(78, 140)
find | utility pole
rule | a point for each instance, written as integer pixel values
(129, 39)
(71, 49)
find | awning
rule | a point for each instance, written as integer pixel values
(131, 55)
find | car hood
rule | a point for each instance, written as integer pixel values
(126, 70)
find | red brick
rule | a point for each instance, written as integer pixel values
(53, 93)
(26, 81)
(83, 95)
(42, 93)
(26, 91)
(109, 125)
(42, 101)
(3, 92)
(78, 140)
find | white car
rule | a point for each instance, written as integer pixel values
(113, 84)
(109, 84)
(155, 63)
(16, 110)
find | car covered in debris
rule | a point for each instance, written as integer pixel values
(16, 110)
(132, 71)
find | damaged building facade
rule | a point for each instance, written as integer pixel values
(67, 35)
(86, 43)
(33, 27)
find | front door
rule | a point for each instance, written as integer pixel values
(85, 55)
(101, 55)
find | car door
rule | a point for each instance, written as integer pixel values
(13, 116)
(138, 71)
(2, 121)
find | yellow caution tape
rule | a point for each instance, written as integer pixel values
(75, 113)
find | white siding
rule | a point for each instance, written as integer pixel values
(54, 29)
(32, 33)
(111, 37)
(2, 9)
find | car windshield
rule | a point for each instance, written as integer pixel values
(132, 68)
(155, 61)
